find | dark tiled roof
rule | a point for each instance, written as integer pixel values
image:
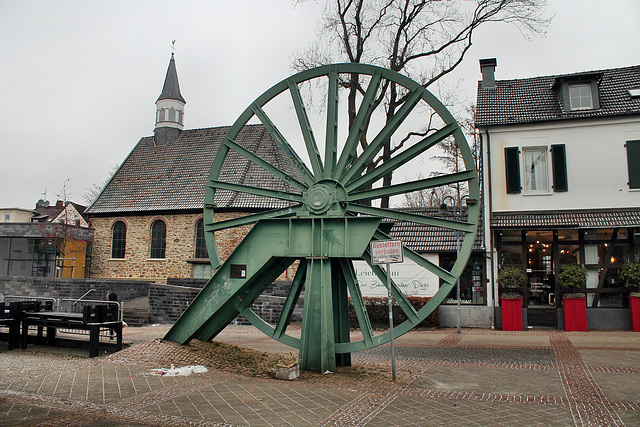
(171, 87)
(422, 238)
(172, 177)
(574, 219)
(535, 99)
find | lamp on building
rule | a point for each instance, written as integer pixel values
(457, 215)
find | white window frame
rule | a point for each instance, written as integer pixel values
(578, 100)
(526, 174)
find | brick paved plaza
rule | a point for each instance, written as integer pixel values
(480, 377)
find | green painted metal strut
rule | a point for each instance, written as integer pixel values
(267, 250)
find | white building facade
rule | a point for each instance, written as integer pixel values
(561, 180)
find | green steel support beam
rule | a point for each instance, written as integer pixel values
(306, 129)
(359, 124)
(331, 138)
(317, 339)
(262, 251)
(358, 302)
(256, 191)
(408, 187)
(419, 219)
(401, 158)
(292, 299)
(340, 310)
(265, 165)
(286, 147)
(378, 142)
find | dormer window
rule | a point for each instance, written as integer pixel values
(580, 97)
(578, 92)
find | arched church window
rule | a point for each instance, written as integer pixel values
(161, 115)
(172, 114)
(118, 239)
(158, 239)
(201, 246)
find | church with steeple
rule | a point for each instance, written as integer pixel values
(148, 218)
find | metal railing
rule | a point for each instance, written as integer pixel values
(70, 305)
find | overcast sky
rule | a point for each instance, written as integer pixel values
(80, 78)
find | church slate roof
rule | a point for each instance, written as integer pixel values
(536, 99)
(172, 177)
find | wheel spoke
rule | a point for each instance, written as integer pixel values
(305, 127)
(362, 118)
(421, 261)
(408, 187)
(265, 165)
(383, 136)
(256, 191)
(402, 158)
(282, 142)
(358, 301)
(397, 294)
(331, 141)
(292, 299)
(409, 217)
(251, 219)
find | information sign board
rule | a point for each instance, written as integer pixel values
(386, 251)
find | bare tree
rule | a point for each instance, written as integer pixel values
(62, 237)
(91, 193)
(424, 39)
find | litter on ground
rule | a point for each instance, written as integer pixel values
(184, 371)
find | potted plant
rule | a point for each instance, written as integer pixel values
(511, 278)
(574, 304)
(630, 275)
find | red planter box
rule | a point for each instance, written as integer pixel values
(574, 313)
(512, 314)
(634, 311)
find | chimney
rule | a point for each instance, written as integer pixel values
(488, 69)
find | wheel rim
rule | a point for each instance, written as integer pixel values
(337, 184)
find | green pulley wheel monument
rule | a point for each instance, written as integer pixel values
(333, 211)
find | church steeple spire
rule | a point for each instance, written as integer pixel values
(169, 108)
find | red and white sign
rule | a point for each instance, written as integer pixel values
(386, 251)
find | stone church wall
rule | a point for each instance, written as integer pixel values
(180, 246)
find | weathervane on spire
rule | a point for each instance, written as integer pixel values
(173, 47)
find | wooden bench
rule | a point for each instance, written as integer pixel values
(9, 316)
(94, 318)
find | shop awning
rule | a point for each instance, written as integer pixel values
(567, 219)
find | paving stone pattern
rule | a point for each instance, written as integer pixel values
(441, 382)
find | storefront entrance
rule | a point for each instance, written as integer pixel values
(540, 297)
(541, 254)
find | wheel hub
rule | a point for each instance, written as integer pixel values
(326, 196)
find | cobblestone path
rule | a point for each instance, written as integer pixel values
(477, 378)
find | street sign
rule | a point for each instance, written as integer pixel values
(386, 251)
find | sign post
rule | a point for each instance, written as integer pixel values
(388, 252)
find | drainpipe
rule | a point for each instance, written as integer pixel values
(487, 190)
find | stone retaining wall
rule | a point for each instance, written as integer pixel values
(50, 287)
(168, 302)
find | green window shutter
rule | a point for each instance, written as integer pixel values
(512, 167)
(633, 163)
(559, 160)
